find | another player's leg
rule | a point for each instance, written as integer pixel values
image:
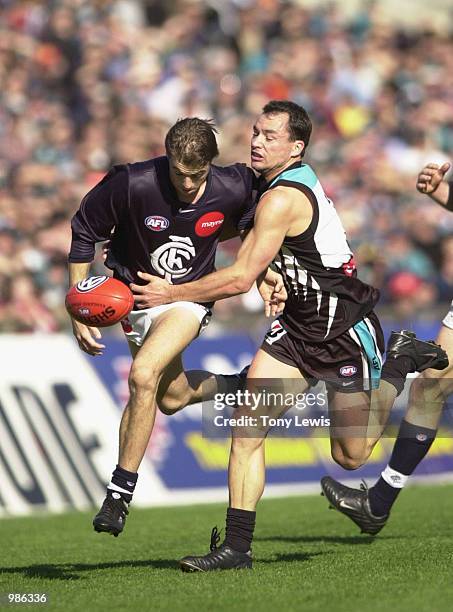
(349, 415)
(417, 430)
(159, 349)
(369, 509)
(179, 388)
(246, 473)
(359, 418)
(351, 446)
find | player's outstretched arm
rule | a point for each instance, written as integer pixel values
(98, 214)
(86, 336)
(271, 288)
(431, 182)
(272, 220)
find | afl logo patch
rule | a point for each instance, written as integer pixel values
(208, 224)
(90, 283)
(348, 370)
(156, 223)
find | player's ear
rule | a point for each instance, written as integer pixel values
(298, 148)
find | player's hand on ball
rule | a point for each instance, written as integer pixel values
(431, 176)
(156, 292)
(87, 338)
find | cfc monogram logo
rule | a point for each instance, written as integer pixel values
(172, 259)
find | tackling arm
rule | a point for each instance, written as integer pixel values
(259, 248)
(272, 221)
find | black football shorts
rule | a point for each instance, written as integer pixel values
(350, 362)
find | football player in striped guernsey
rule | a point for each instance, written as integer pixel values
(328, 330)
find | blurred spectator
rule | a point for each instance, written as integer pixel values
(86, 84)
(411, 295)
(446, 269)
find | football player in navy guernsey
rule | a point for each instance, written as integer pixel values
(167, 215)
(370, 508)
(327, 331)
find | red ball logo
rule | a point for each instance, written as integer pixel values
(208, 224)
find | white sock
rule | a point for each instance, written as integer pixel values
(393, 478)
(113, 487)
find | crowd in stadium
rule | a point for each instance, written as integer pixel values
(86, 84)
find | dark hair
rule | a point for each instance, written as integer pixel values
(299, 123)
(192, 141)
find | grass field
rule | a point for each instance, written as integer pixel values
(306, 558)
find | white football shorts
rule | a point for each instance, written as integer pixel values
(448, 320)
(138, 322)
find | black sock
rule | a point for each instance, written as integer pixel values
(240, 525)
(228, 383)
(395, 370)
(123, 482)
(411, 446)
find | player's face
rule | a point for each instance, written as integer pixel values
(189, 182)
(271, 147)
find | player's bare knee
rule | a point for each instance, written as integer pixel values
(172, 401)
(349, 460)
(170, 406)
(143, 378)
(351, 463)
(169, 411)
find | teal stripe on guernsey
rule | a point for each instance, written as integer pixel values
(304, 175)
(369, 346)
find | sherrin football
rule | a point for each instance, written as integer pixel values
(99, 301)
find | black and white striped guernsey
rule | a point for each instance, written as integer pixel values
(325, 296)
